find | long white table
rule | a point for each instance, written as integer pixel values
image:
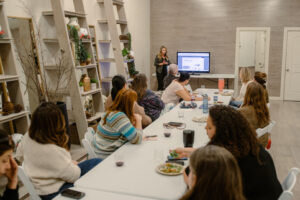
(138, 176)
(97, 194)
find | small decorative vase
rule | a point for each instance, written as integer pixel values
(93, 86)
(1, 32)
(8, 107)
(82, 63)
(87, 83)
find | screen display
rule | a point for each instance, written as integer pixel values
(193, 62)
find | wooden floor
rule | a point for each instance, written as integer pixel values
(285, 136)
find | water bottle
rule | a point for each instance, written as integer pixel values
(205, 104)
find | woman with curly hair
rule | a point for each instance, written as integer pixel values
(226, 127)
(255, 109)
(152, 104)
(220, 164)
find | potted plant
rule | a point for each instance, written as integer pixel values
(128, 57)
(89, 59)
(94, 83)
(81, 87)
(83, 54)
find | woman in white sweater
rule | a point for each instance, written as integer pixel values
(46, 156)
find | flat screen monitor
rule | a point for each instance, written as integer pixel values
(193, 62)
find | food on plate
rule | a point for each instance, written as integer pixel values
(200, 119)
(170, 168)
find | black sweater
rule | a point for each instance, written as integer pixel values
(260, 180)
(10, 194)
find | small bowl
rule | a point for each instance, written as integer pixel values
(167, 134)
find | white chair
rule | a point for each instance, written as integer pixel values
(86, 142)
(288, 184)
(267, 129)
(27, 184)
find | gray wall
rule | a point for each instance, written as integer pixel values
(210, 25)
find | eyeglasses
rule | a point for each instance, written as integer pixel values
(171, 126)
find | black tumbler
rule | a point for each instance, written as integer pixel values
(188, 138)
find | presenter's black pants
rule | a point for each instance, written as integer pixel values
(160, 78)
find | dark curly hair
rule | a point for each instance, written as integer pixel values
(233, 132)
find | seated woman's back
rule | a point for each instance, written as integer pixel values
(118, 126)
(259, 176)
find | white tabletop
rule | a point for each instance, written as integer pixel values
(97, 194)
(138, 176)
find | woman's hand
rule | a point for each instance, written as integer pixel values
(183, 152)
(137, 117)
(12, 174)
(161, 64)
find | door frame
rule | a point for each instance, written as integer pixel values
(237, 51)
(284, 52)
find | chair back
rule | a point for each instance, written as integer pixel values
(87, 141)
(267, 129)
(27, 184)
(288, 184)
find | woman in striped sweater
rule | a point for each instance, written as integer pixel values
(119, 125)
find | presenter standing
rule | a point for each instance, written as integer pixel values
(161, 62)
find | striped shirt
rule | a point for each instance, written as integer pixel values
(116, 132)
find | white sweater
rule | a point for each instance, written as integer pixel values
(243, 91)
(47, 165)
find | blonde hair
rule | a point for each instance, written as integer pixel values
(246, 74)
(159, 55)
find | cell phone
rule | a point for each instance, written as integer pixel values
(72, 194)
(175, 161)
(171, 158)
(187, 170)
(175, 123)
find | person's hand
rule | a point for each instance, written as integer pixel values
(182, 152)
(12, 174)
(137, 117)
(74, 162)
(161, 64)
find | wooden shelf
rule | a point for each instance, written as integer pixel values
(105, 21)
(115, 2)
(109, 41)
(55, 40)
(98, 115)
(8, 78)
(5, 40)
(91, 92)
(7, 118)
(107, 60)
(86, 66)
(67, 14)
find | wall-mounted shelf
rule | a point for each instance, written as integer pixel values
(115, 2)
(5, 40)
(105, 21)
(91, 92)
(13, 116)
(98, 115)
(55, 40)
(86, 66)
(7, 78)
(67, 14)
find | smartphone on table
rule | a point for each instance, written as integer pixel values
(72, 194)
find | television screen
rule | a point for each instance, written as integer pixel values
(193, 62)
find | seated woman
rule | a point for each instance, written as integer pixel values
(46, 156)
(172, 72)
(119, 125)
(118, 83)
(226, 127)
(152, 104)
(8, 167)
(214, 174)
(176, 90)
(246, 77)
(255, 109)
(261, 78)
